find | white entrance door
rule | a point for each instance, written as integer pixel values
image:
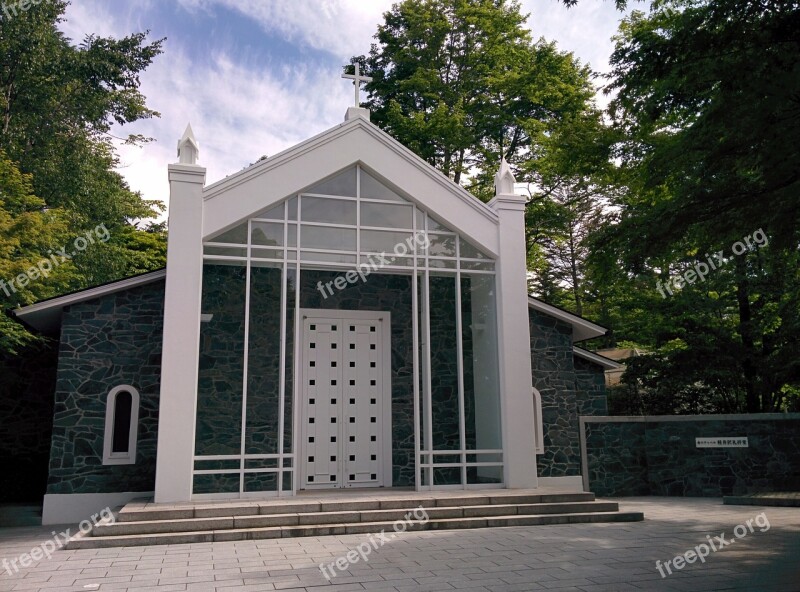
(345, 400)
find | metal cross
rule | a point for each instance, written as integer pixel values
(357, 79)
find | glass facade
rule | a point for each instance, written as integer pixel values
(440, 289)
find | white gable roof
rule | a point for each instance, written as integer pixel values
(240, 196)
(45, 316)
(582, 329)
(596, 358)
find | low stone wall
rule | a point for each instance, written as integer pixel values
(658, 455)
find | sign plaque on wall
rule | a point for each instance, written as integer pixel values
(736, 442)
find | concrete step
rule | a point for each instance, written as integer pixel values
(362, 515)
(440, 523)
(140, 511)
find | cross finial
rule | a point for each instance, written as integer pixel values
(357, 79)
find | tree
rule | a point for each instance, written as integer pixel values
(27, 231)
(708, 106)
(461, 83)
(58, 103)
(709, 95)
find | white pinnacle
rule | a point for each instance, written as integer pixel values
(504, 179)
(188, 148)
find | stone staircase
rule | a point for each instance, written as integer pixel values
(144, 523)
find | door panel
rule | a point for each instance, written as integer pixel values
(342, 394)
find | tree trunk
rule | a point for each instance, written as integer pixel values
(573, 264)
(749, 363)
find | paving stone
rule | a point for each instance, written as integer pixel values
(585, 558)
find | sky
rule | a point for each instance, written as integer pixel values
(255, 77)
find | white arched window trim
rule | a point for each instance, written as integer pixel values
(538, 423)
(121, 458)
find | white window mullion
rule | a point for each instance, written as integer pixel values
(298, 336)
(460, 370)
(358, 215)
(282, 369)
(428, 385)
(246, 358)
(416, 360)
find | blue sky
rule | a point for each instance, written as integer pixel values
(255, 77)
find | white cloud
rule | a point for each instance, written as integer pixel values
(341, 27)
(238, 115)
(585, 29)
(241, 109)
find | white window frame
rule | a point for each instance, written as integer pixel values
(121, 458)
(538, 422)
(297, 258)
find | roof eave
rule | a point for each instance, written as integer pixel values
(603, 361)
(582, 329)
(45, 316)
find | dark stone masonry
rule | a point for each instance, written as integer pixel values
(659, 456)
(591, 388)
(116, 339)
(106, 342)
(569, 387)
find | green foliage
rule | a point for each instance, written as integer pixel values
(707, 96)
(706, 110)
(27, 231)
(460, 82)
(57, 105)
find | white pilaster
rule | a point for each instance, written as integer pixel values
(179, 361)
(514, 335)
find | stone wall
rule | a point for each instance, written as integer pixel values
(106, 342)
(554, 377)
(658, 455)
(570, 387)
(591, 388)
(27, 382)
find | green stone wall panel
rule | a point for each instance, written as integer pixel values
(660, 457)
(106, 342)
(554, 377)
(570, 387)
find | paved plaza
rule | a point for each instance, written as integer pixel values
(584, 557)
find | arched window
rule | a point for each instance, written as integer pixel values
(538, 423)
(122, 422)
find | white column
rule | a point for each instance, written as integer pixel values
(179, 360)
(514, 336)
